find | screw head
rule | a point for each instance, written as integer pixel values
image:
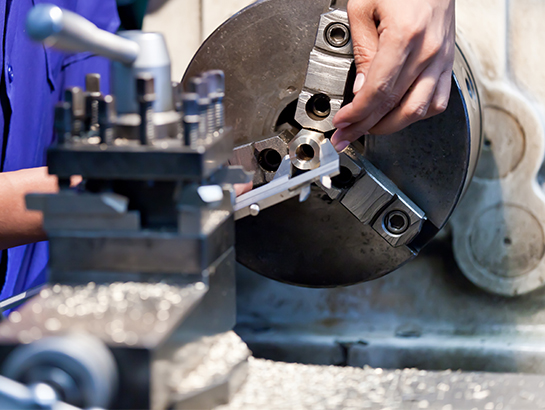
(145, 87)
(337, 35)
(92, 83)
(396, 222)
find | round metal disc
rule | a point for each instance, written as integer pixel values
(264, 53)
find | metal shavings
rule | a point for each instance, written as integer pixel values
(113, 312)
(204, 362)
(275, 386)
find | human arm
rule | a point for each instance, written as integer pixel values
(404, 52)
(19, 226)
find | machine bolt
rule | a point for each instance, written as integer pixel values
(319, 107)
(210, 81)
(254, 209)
(199, 86)
(76, 98)
(145, 94)
(145, 88)
(337, 35)
(63, 121)
(106, 119)
(92, 96)
(191, 118)
(216, 88)
(92, 83)
(396, 222)
(177, 96)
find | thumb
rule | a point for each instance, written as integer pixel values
(364, 35)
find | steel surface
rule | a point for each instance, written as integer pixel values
(264, 52)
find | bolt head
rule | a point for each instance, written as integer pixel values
(396, 222)
(145, 87)
(337, 35)
(92, 83)
(254, 209)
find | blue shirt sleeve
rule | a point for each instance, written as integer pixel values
(34, 79)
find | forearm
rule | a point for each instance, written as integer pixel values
(19, 226)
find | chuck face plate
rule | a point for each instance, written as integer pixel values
(323, 242)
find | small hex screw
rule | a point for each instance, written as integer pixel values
(337, 35)
(396, 222)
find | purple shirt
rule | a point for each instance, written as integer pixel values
(35, 79)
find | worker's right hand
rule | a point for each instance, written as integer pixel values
(404, 52)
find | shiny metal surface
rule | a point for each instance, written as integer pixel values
(286, 184)
(15, 395)
(264, 156)
(81, 368)
(328, 68)
(124, 299)
(208, 372)
(69, 31)
(376, 201)
(264, 52)
(305, 149)
(133, 53)
(296, 386)
(153, 59)
(113, 313)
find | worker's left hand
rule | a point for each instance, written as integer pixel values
(404, 52)
(243, 188)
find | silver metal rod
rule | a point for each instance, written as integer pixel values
(62, 29)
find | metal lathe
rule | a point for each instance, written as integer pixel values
(140, 305)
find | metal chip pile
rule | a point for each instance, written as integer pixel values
(129, 313)
(274, 385)
(205, 362)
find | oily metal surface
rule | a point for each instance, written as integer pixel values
(264, 52)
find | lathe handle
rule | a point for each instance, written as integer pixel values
(62, 29)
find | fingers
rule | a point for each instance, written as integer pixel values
(442, 94)
(389, 78)
(364, 38)
(378, 94)
(408, 78)
(243, 188)
(344, 136)
(415, 106)
(339, 144)
(427, 97)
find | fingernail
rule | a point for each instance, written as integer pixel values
(341, 145)
(336, 137)
(360, 79)
(342, 125)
